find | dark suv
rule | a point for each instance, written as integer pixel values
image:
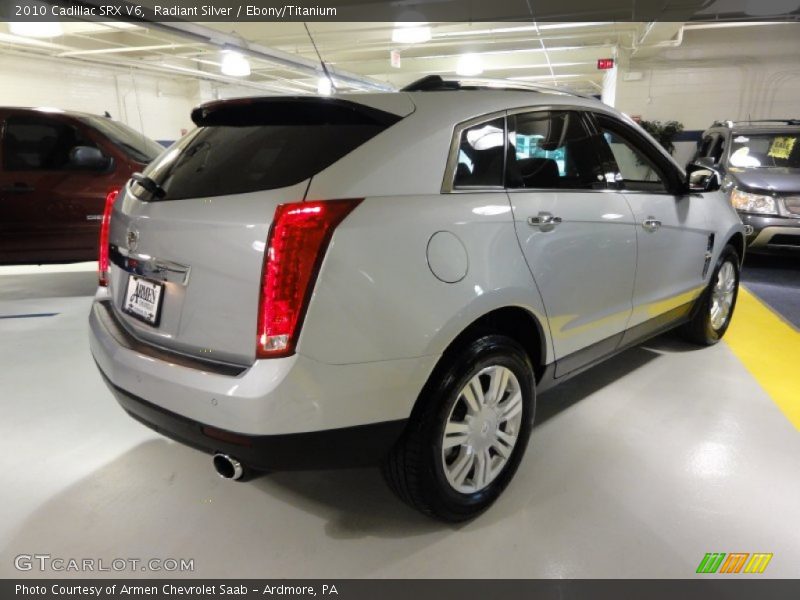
(759, 163)
(56, 170)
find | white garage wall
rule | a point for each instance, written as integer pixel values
(158, 106)
(732, 73)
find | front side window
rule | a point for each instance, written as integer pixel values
(481, 155)
(552, 150)
(712, 147)
(37, 144)
(633, 168)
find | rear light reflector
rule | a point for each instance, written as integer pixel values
(102, 258)
(226, 436)
(297, 242)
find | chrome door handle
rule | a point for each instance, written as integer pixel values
(544, 220)
(650, 224)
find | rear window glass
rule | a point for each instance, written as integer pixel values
(241, 151)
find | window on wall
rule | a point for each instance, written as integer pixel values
(39, 144)
(481, 155)
(552, 150)
(633, 169)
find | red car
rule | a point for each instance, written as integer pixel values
(57, 169)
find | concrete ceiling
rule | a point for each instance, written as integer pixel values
(283, 59)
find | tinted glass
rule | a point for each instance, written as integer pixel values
(222, 160)
(705, 146)
(765, 150)
(633, 168)
(481, 155)
(553, 150)
(136, 145)
(39, 144)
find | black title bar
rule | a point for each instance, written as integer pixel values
(709, 588)
(380, 10)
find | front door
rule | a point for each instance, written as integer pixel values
(48, 209)
(674, 240)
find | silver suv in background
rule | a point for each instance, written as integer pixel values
(390, 279)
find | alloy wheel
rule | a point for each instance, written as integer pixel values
(722, 295)
(482, 429)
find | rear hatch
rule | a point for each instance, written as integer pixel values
(187, 241)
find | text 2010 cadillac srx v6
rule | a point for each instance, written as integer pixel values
(308, 282)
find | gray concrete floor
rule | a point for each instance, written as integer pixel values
(635, 469)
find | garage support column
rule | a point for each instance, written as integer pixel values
(609, 92)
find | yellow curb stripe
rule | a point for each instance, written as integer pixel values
(769, 348)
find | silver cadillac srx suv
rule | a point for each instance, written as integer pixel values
(306, 282)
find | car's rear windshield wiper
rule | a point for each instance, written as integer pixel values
(149, 185)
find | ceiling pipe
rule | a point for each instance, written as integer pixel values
(291, 61)
(124, 65)
(125, 49)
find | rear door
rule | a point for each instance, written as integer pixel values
(202, 236)
(674, 240)
(578, 237)
(48, 208)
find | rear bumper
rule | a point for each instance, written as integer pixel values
(277, 409)
(772, 233)
(358, 446)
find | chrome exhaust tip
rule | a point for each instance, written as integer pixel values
(228, 467)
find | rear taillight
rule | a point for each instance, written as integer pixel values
(297, 243)
(102, 256)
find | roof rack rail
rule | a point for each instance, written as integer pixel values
(730, 123)
(435, 83)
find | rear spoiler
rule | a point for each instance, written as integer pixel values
(289, 110)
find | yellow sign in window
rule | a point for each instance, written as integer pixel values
(781, 147)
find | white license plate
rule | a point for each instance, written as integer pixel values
(143, 300)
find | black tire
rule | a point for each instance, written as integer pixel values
(700, 329)
(414, 468)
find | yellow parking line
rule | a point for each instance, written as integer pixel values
(770, 349)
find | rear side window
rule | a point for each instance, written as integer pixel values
(553, 150)
(249, 147)
(481, 155)
(39, 144)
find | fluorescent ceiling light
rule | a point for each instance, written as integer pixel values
(36, 29)
(234, 64)
(411, 33)
(519, 29)
(324, 87)
(469, 65)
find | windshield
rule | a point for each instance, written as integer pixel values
(136, 145)
(765, 150)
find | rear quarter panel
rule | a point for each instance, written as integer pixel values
(376, 297)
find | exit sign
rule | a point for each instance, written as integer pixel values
(605, 63)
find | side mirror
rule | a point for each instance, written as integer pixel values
(702, 178)
(88, 158)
